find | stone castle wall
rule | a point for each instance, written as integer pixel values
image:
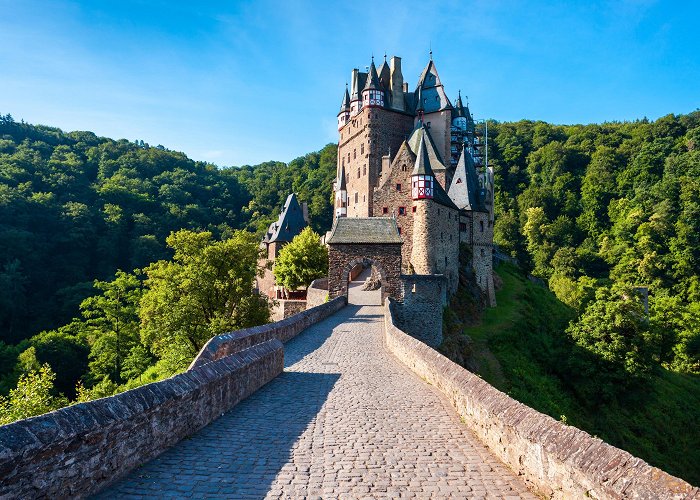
(387, 196)
(368, 136)
(559, 461)
(482, 260)
(420, 312)
(436, 241)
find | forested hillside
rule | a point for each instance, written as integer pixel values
(75, 207)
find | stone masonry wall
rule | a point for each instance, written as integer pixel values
(284, 308)
(559, 461)
(368, 136)
(75, 451)
(317, 293)
(420, 313)
(342, 257)
(386, 195)
(482, 259)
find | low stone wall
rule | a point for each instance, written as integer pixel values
(227, 343)
(317, 293)
(420, 313)
(77, 450)
(557, 460)
(284, 308)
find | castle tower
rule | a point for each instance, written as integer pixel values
(435, 111)
(422, 192)
(373, 94)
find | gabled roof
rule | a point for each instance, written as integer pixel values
(430, 94)
(465, 190)
(365, 230)
(290, 222)
(414, 140)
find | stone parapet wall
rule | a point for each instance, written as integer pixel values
(75, 451)
(285, 308)
(317, 293)
(228, 343)
(420, 313)
(557, 460)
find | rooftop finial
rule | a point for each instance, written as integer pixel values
(385, 56)
(372, 57)
(431, 50)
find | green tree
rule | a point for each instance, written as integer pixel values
(301, 261)
(32, 396)
(206, 290)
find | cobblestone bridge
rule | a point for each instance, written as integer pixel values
(345, 419)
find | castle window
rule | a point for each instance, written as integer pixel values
(482, 252)
(362, 149)
(398, 187)
(463, 227)
(385, 210)
(356, 197)
(399, 230)
(481, 223)
(354, 153)
(348, 156)
(364, 198)
(364, 170)
(402, 210)
(414, 209)
(403, 168)
(358, 173)
(413, 289)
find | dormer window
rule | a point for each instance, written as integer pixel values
(422, 186)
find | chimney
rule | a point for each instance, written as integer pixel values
(397, 84)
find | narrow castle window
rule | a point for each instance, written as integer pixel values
(399, 230)
(482, 252)
(364, 170)
(403, 168)
(481, 223)
(364, 198)
(385, 210)
(398, 187)
(463, 227)
(414, 209)
(362, 148)
(356, 197)
(358, 173)
(402, 210)
(354, 154)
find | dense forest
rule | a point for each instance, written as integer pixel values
(84, 219)
(96, 233)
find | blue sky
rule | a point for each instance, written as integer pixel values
(244, 82)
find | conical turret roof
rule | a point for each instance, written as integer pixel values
(372, 78)
(345, 105)
(422, 159)
(341, 180)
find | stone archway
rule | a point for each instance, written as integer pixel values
(386, 259)
(356, 294)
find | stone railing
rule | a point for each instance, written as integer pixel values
(227, 343)
(77, 450)
(557, 460)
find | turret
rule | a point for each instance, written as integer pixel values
(422, 178)
(372, 94)
(341, 195)
(344, 114)
(355, 101)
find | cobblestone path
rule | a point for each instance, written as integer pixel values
(345, 420)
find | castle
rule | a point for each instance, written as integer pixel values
(417, 158)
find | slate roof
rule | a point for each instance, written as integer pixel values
(346, 100)
(290, 222)
(364, 230)
(414, 140)
(341, 180)
(358, 83)
(422, 160)
(372, 78)
(430, 93)
(465, 190)
(424, 167)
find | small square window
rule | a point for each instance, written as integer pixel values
(414, 209)
(402, 210)
(399, 230)
(385, 210)
(398, 187)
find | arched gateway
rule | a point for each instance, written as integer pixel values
(371, 241)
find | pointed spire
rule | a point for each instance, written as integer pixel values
(341, 180)
(419, 101)
(465, 190)
(372, 77)
(422, 159)
(346, 100)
